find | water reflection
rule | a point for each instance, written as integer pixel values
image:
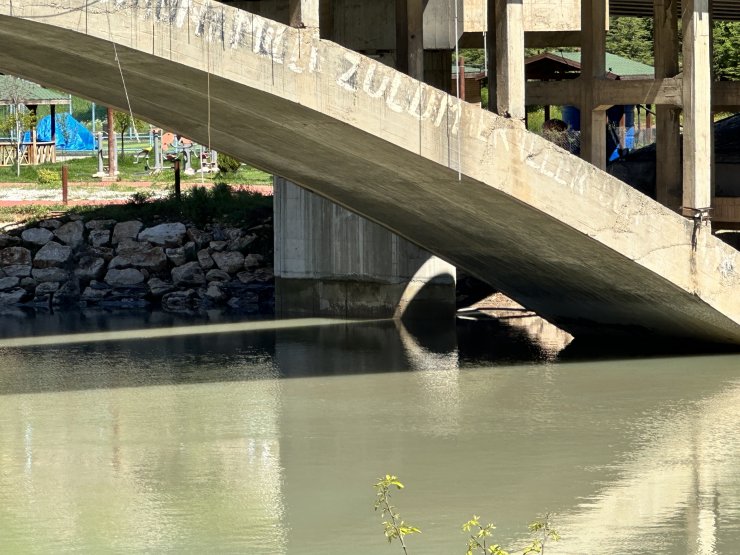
(267, 441)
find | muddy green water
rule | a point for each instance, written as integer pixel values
(267, 441)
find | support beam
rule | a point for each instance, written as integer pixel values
(410, 37)
(509, 19)
(593, 68)
(668, 141)
(304, 14)
(697, 106)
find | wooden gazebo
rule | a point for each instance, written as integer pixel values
(14, 91)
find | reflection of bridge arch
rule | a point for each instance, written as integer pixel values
(551, 231)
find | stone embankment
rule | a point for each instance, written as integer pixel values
(106, 263)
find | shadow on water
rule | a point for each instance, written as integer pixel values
(196, 349)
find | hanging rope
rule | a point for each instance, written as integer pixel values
(120, 71)
(206, 37)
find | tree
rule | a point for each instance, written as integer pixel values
(121, 123)
(726, 63)
(18, 119)
(631, 37)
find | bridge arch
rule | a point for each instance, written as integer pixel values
(564, 239)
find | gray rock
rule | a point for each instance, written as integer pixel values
(90, 267)
(99, 285)
(123, 278)
(200, 238)
(246, 277)
(171, 235)
(71, 233)
(252, 261)
(98, 225)
(179, 301)
(18, 270)
(242, 243)
(230, 262)
(264, 275)
(11, 256)
(105, 253)
(68, 294)
(152, 259)
(232, 233)
(99, 237)
(126, 230)
(190, 250)
(28, 283)
(37, 236)
(9, 240)
(132, 245)
(215, 293)
(176, 256)
(47, 288)
(50, 274)
(7, 283)
(51, 224)
(13, 296)
(188, 274)
(92, 295)
(217, 275)
(218, 246)
(205, 259)
(159, 287)
(52, 254)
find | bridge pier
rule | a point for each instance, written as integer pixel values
(332, 262)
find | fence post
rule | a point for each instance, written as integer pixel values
(177, 180)
(65, 184)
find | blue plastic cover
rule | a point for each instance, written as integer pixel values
(71, 134)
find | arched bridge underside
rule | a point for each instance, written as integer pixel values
(564, 239)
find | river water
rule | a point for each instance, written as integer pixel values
(178, 437)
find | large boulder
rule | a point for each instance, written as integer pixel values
(50, 274)
(159, 287)
(152, 259)
(230, 261)
(126, 230)
(99, 237)
(13, 296)
(36, 236)
(170, 235)
(7, 283)
(9, 240)
(71, 233)
(97, 225)
(176, 256)
(90, 267)
(251, 261)
(68, 294)
(18, 270)
(178, 301)
(188, 274)
(47, 288)
(217, 275)
(205, 259)
(11, 256)
(200, 238)
(124, 277)
(52, 254)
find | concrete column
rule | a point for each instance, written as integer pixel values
(509, 19)
(492, 69)
(331, 262)
(697, 106)
(304, 14)
(593, 67)
(410, 37)
(668, 144)
(437, 69)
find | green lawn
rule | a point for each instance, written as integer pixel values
(82, 169)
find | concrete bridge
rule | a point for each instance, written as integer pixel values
(550, 230)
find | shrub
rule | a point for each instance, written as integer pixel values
(46, 176)
(227, 164)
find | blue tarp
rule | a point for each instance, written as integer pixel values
(71, 134)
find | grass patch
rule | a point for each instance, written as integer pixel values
(82, 169)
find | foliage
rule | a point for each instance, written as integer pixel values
(227, 164)
(18, 119)
(632, 38)
(479, 536)
(727, 50)
(48, 176)
(395, 528)
(543, 532)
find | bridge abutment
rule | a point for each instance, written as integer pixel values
(332, 262)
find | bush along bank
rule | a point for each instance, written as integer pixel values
(70, 262)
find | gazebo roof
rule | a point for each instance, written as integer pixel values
(14, 89)
(567, 65)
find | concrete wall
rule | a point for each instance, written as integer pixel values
(332, 262)
(539, 15)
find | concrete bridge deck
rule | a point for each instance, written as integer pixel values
(556, 234)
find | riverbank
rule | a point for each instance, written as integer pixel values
(217, 256)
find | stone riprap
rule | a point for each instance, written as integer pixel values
(129, 265)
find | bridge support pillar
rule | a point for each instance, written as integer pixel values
(697, 107)
(331, 262)
(668, 140)
(593, 68)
